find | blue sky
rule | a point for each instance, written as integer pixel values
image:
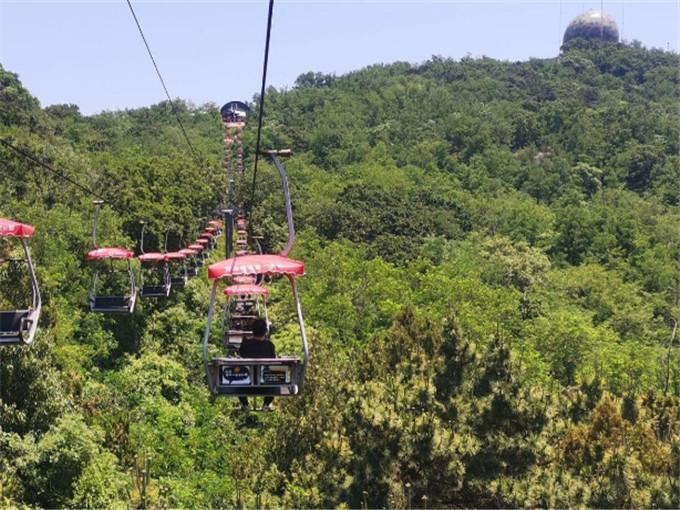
(90, 53)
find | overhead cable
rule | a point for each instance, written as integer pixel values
(262, 94)
(61, 175)
(165, 88)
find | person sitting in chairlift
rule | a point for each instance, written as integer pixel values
(257, 346)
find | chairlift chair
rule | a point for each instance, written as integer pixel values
(210, 237)
(191, 261)
(205, 243)
(179, 274)
(200, 253)
(19, 326)
(217, 225)
(110, 303)
(232, 376)
(244, 304)
(107, 303)
(156, 264)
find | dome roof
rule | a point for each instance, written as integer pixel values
(592, 25)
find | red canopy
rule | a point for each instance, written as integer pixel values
(14, 229)
(175, 255)
(202, 240)
(152, 257)
(189, 252)
(215, 223)
(256, 264)
(246, 290)
(207, 235)
(210, 229)
(109, 253)
(197, 247)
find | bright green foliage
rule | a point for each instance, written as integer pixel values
(491, 293)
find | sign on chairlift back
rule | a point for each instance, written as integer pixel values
(235, 375)
(240, 375)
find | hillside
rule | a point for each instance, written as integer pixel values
(492, 287)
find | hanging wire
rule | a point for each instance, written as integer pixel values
(165, 88)
(58, 173)
(262, 94)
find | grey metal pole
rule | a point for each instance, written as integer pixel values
(228, 215)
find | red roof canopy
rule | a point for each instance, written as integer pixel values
(197, 247)
(109, 253)
(256, 264)
(152, 257)
(246, 290)
(215, 223)
(210, 229)
(207, 235)
(189, 252)
(15, 229)
(175, 255)
(202, 241)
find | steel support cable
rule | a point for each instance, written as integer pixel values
(61, 175)
(165, 88)
(261, 113)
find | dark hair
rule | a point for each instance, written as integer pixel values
(259, 327)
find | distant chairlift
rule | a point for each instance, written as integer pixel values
(234, 114)
(19, 326)
(155, 274)
(205, 244)
(200, 253)
(105, 302)
(217, 225)
(208, 237)
(191, 261)
(244, 304)
(179, 271)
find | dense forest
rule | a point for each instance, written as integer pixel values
(492, 293)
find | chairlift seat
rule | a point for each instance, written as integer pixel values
(154, 291)
(112, 304)
(16, 325)
(244, 377)
(179, 281)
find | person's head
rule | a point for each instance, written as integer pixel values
(259, 328)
